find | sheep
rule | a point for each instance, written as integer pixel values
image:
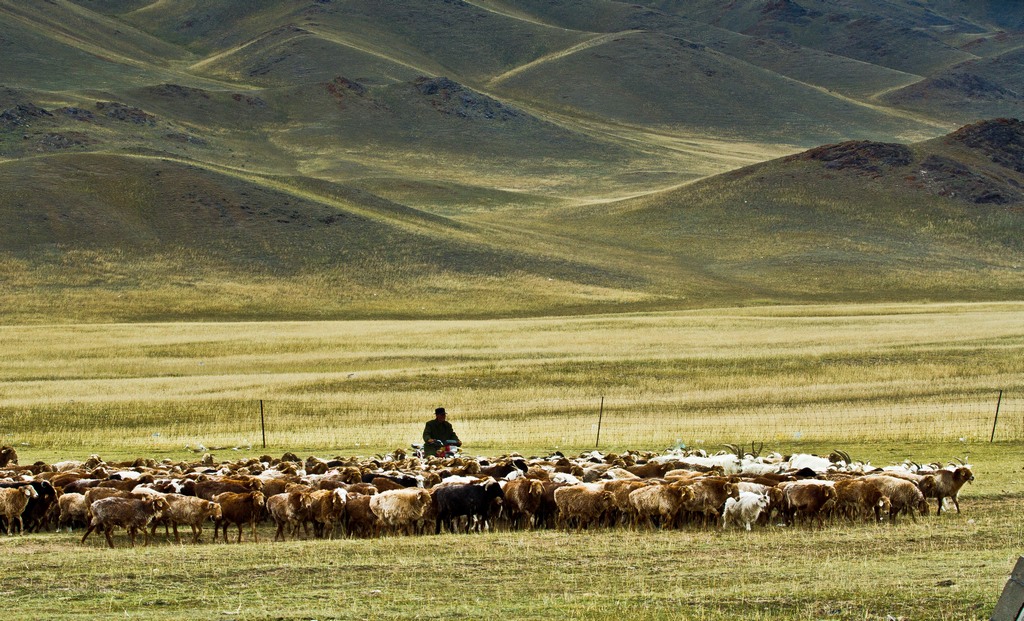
(8, 456)
(41, 507)
(622, 510)
(286, 509)
(325, 508)
(400, 508)
(745, 510)
(210, 488)
(547, 510)
(360, 521)
(855, 497)
(73, 510)
(472, 500)
(709, 496)
(584, 504)
(238, 508)
(522, 500)
(13, 501)
(663, 502)
(903, 495)
(946, 484)
(189, 510)
(128, 513)
(809, 497)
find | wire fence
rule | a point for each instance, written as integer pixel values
(608, 423)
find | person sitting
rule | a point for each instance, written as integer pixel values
(437, 432)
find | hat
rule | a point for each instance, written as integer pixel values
(440, 412)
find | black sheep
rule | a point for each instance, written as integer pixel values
(472, 500)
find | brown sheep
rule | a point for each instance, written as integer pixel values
(661, 502)
(8, 456)
(73, 510)
(126, 485)
(809, 498)
(189, 510)
(709, 496)
(401, 509)
(522, 500)
(582, 504)
(131, 514)
(287, 509)
(238, 508)
(384, 484)
(210, 488)
(13, 501)
(360, 521)
(946, 484)
(325, 508)
(903, 495)
(857, 498)
(622, 510)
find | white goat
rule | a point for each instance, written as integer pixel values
(744, 511)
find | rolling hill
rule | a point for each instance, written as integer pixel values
(355, 158)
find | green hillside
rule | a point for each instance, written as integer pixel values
(853, 220)
(169, 159)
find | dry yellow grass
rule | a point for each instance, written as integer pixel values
(767, 374)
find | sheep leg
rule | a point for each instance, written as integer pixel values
(106, 533)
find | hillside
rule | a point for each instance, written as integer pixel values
(849, 220)
(335, 158)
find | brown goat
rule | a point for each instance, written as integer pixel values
(946, 484)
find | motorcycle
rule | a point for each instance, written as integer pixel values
(448, 448)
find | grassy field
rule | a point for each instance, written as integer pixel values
(773, 375)
(942, 567)
(123, 390)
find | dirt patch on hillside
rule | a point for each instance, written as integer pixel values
(1002, 140)
(124, 112)
(864, 157)
(449, 97)
(22, 114)
(948, 177)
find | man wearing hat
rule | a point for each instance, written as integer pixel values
(437, 432)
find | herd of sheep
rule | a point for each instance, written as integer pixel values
(357, 497)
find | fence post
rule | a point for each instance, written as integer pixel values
(999, 402)
(600, 415)
(263, 425)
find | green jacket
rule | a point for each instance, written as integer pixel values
(438, 430)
